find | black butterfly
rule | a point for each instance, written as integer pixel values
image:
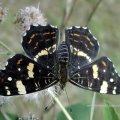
(49, 62)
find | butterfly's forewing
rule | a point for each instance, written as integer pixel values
(99, 76)
(82, 46)
(40, 43)
(22, 75)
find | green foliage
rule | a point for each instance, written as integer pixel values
(53, 19)
(110, 112)
(10, 116)
(79, 112)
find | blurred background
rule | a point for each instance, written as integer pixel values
(104, 25)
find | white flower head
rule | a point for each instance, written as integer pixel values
(32, 97)
(30, 16)
(28, 117)
(36, 95)
(4, 100)
(3, 13)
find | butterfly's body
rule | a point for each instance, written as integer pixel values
(49, 63)
(63, 58)
(63, 74)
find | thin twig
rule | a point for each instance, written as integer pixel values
(68, 10)
(6, 47)
(60, 104)
(26, 108)
(93, 106)
(4, 53)
(93, 12)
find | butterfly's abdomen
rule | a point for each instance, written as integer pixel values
(63, 58)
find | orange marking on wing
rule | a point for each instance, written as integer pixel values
(76, 41)
(104, 64)
(36, 45)
(47, 40)
(31, 38)
(75, 34)
(52, 33)
(46, 33)
(19, 61)
(87, 38)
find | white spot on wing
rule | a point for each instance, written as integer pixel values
(77, 26)
(84, 27)
(114, 90)
(22, 40)
(104, 70)
(9, 79)
(19, 69)
(104, 87)
(30, 68)
(6, 63)
(69, 28)
(111, 80)
(94, 37)
(80, 53)
(89, 31)
(35, 59)
(24, 34)
(95, 71)
(30, 74)
(43, 52)
(8, 92)
(53, 26)
(6, 87)
(21, 87)
(71, 48)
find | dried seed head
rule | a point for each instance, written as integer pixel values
(36, 95)
(28, 117)
(3, 13)
(29, 16)
(4, 100)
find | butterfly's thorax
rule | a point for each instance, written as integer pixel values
(63, 58)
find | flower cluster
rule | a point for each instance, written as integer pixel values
(29, 16)
(29, 117)
(3, 13)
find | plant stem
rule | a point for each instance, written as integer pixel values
(93, 106)
(61, 106)
(6, 47)
(4, 53)
(68, 9)
(93, 11)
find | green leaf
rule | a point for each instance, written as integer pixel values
(109, 112)
(79, 112)
(10, 116)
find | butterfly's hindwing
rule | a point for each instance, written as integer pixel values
(40, 43)
(22, 75)
(99, 76)
(83, 46)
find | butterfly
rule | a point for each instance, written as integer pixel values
(48, 62)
